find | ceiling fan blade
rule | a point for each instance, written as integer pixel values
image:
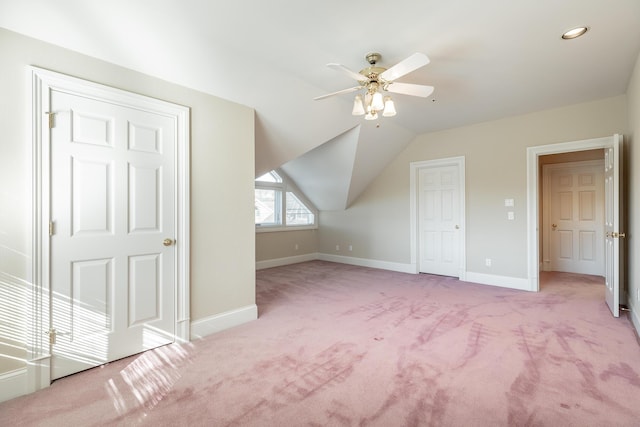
(410, 89)
(405, 66)
(339, 67)
(340, 92)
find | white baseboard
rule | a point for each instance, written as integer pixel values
(634, 314)
(220, 322)
(13, 384)
(277, 262)
(363, 262)
(500, 281)
(468, 276)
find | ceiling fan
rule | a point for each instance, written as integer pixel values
(374, 80)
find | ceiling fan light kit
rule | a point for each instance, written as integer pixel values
(389, 107)
(374, 80)
(358, 107)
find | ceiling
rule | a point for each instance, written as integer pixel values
(489, 59)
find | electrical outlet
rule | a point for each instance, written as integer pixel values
(295, 247)
(511, 215)
(337, 247)
(487, 262)
(350, 248)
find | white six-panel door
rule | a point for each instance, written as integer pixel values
(112, 207)
(576, 217)
(439, 220)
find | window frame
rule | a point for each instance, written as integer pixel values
(283, 187)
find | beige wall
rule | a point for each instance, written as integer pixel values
(377, 224)
(222, 173)
(633, 193)
(282, 244)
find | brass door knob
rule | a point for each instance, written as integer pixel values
(167, 242)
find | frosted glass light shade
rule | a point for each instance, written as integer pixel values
(371, 116)
(358, 108)
(389, 107)
(377, 103)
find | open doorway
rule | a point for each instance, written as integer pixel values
(614, 235)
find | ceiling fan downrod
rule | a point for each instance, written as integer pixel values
(373, 57)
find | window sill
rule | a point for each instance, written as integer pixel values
(272, 228)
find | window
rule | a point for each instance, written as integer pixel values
(267, 202)
(269, 177)
(278, 206)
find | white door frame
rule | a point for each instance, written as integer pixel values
(533, 186)
(43, 82)
(414, 170)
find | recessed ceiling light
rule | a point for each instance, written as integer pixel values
(574, 33)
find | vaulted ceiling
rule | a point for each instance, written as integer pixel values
(489, 59)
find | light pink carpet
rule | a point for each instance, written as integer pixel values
(338, 345)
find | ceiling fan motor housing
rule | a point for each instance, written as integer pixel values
(372, 72)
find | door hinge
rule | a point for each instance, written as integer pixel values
(52, 119)
(52, 336)
(51, 228)
(616, 235)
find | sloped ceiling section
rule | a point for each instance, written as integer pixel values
(489, 59)
(379, 143)
(298, 118)
(334, 174)
(324, 173)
